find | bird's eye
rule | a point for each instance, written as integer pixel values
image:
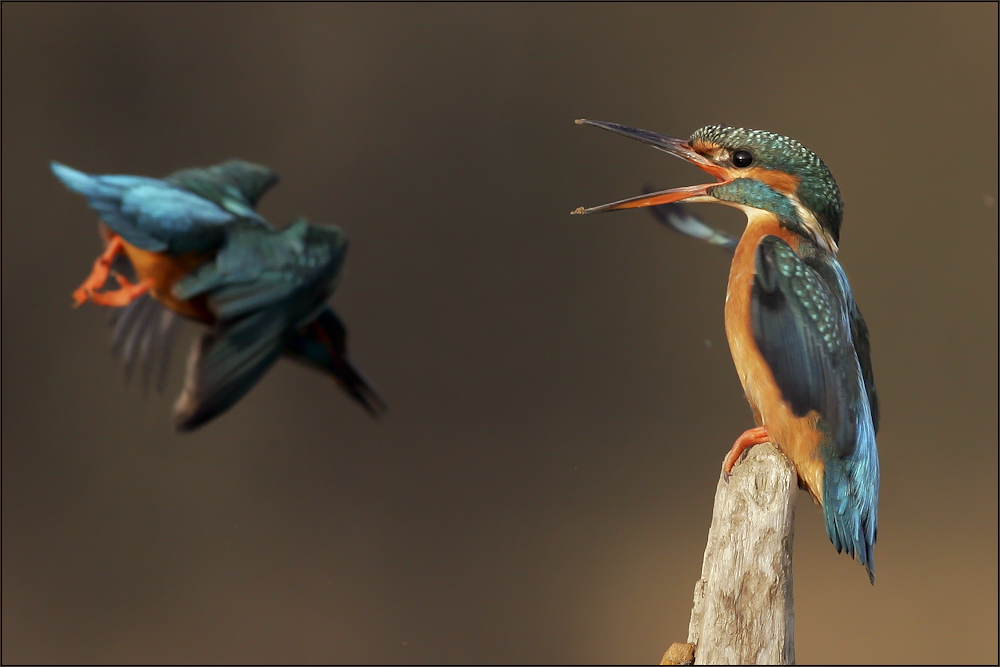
(742, 159)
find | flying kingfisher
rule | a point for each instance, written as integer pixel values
(192, 245)
(798, 340)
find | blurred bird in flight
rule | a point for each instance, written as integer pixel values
(798, 340)
(192, 245)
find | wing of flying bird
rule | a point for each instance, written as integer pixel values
(149, 213)
(235, 185)
(263, 286)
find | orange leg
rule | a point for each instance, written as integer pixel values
(750, 437)
(99, 274)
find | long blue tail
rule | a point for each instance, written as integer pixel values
(850, 497)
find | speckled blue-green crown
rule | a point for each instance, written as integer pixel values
(817, 190)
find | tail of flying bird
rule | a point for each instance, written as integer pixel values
(322, 344)
(228, 360)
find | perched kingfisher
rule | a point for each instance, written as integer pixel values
(194, 246)
(798, 340)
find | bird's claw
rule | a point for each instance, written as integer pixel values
(749, 438)
(99, 274)
(124, 295)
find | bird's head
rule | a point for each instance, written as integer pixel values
(754, 171)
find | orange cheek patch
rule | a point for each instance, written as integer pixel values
(779, 180)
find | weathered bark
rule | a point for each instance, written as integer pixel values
(743, 603)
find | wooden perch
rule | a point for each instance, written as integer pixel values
(743, 603)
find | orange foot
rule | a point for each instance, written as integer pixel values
(123, 296)
(750, 437)
(99, 274)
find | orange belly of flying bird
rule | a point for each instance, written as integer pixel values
(798, 437)
(156, 273)
(160, 272)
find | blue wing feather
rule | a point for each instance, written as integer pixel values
(150, 213)
(235, 185)
(804, 321)
(263, 285)
(801, 332)
(186, 221)
(256, 268)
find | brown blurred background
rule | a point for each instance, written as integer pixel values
(561, 390)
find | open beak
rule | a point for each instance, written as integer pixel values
(671, 145)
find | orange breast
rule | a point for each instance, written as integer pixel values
(161, 271)
(797, 437)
